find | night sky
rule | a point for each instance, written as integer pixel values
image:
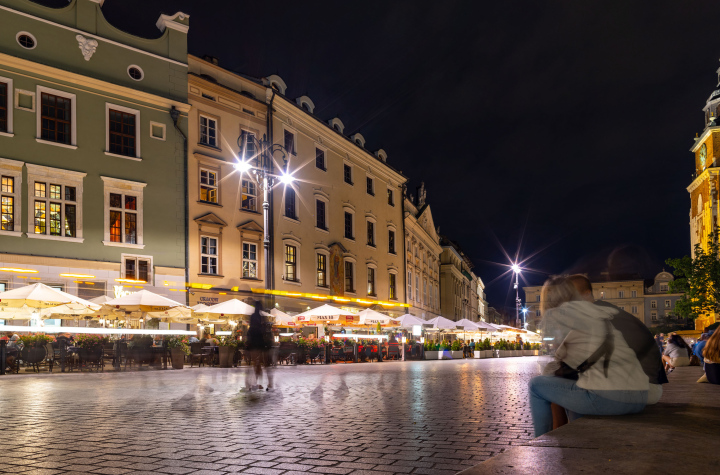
(565, 124)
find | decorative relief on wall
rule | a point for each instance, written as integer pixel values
(87, 46)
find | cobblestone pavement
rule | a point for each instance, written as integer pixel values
(424, 417)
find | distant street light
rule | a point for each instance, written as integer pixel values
(516, 270)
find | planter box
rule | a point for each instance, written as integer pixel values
(432, 355)
(479, 354)
(505, 353)
(457, 355)
(488, 354)
(447, 355)
(225, 356)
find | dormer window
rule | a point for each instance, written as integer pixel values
(306, 107)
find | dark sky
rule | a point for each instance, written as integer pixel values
(566, 122)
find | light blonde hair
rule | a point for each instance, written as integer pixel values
(556, 291)
(712, 347)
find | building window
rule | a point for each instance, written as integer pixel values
(320, 159)
(249, 154)
(417, 287)
(349, 226)
(135, 72)
(391, 197)
(425, 297)
(371, 281)
(137, 267)
(370, 186)
(392, 292)
(7, 206)
(320, 214)
(371, 233)
(621, 294)
(347, 174)
(667, 304)
(249, 260)
(290, 142)
(209, 255)
(409, 285)
(4, 93)
(123, 218)
(653, 316)
(437, 299)
(208, 131)
(634, 309)
(208, 186)
(55, 118)
(321, 270)
(391, 241)
(290, 209)
(537, 298)
(621, 307)
(349, 277)
(633, 293)
(55, 209)
(664, 287)
(249, 195)
(122, 131)
(653, 304)
(26, 40)
(291, 263)
(537, 313)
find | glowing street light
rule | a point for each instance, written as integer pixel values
(242, 167)
(286, 178)
(516, 270)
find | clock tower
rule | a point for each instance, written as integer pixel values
(705, 187)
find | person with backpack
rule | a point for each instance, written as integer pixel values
(597, 373)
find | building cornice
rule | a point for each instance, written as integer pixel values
(702, 177)
(96, 37)
(700, 140)
(88, 83)
(345, 145)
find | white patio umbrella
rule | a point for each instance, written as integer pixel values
(220, 313)
(408, 321)
(150, 304)
(282, 318)
(325, 313)
(468, 325)
(371, 317)
(442, 323)
(100, 300)
(21, 303)
(484, 326)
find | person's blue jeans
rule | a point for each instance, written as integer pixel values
(565, 392)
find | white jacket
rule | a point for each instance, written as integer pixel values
(583, 326)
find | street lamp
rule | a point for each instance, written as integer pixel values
(263, 157)
(516, 270)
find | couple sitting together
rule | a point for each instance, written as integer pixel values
(606, 360)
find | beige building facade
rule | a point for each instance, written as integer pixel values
(225, 222)
(422, 257)
(458, 284)
(338, 225)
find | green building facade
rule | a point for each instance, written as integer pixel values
(93, 166)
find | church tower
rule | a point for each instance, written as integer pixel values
(705, 188)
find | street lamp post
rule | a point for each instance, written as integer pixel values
(263, 158)
(516, 269)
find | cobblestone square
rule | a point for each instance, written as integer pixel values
(424, 417)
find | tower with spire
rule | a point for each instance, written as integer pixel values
(705, 187)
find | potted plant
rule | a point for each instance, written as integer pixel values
(456, 351)
(431, 351)
(179, 347)
(226, 350)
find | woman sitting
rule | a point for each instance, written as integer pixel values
(597, 372)
(677, 353)
(711, 353)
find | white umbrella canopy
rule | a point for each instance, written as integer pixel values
(100, 300)
(230, 307)
(324, 313)
(442, 323)
(282, 318)
(468, 325)
(408, 321)
(152, 304)
(22, 302)
(371, 317)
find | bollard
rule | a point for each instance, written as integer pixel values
(3, 355)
